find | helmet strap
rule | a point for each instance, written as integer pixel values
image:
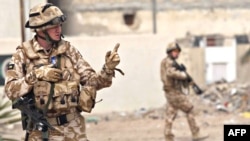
(48, 39)
(38, 36)
(62, 36)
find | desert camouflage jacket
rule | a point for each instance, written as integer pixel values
(15, 84)
(172, 78)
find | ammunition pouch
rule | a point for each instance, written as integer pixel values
(65, 95)
(87, 99)
(42, 91)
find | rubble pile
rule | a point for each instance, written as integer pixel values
(221, 96)
(228, 97)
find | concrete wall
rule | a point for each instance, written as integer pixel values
(226, 55)
(174, 22)
(242, 69)
(169, 21)
(194, 59)
(140, 60)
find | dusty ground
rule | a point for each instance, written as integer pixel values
(150, 129)
(148, 125)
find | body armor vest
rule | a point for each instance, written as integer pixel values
(49, 96)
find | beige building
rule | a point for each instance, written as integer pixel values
(221, 56)
(126, 17)
(112, 17)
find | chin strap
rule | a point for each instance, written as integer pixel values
(48, 38)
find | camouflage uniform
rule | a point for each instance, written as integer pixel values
(173, 83)
(71, 94)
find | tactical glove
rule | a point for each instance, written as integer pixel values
(46, 73)
(112, 59)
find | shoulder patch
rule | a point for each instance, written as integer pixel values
(11, 66)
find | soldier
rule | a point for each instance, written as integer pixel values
(55, 74)
(173, 82)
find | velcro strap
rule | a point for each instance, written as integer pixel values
(62, 119)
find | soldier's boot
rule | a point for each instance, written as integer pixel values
(169, 137)
(200, 136)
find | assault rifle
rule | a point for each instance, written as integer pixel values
(31, 115)
(195, 87)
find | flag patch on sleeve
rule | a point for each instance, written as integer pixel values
(10, 66)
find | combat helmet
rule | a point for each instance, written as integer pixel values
(172, 46)
(44, 16)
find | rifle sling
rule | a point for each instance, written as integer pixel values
(52, 87)
(45, 134)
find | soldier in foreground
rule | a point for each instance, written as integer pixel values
(174, 79)
(50, 82)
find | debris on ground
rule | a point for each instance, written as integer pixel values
(231, 97)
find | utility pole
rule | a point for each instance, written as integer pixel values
(22, 20)
(154, 10)
(24, 15)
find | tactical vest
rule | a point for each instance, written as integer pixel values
(49, 96)
(174, 83)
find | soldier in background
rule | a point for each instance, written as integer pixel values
(54, 73)
(174, 81)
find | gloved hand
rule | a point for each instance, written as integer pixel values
(112, 59)
(47, 73)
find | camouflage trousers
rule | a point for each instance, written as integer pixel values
(178, 101)
(73, 131)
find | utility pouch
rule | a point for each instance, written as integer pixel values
(87, 99)
(42, 91)
(65, 95)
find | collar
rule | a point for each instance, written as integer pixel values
(37, 47)
(61, 47)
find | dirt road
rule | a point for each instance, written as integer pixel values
(149, 129)
(149, 126)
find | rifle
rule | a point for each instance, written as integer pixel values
(33, 116)
(182, 68)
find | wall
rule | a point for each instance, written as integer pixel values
(169, 21)
(221, 55)
(174, 22)
(242, 69)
